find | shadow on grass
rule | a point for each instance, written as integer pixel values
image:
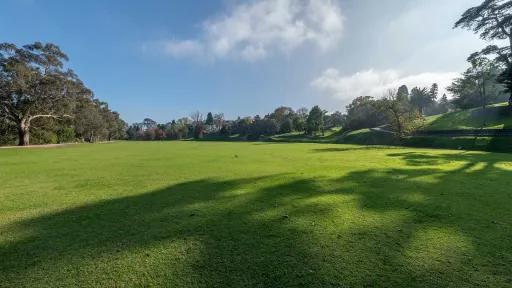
(377, 227)
(354, 148)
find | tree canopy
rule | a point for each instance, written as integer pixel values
(35, 84)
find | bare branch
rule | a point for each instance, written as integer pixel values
(50, 116)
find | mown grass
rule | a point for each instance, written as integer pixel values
(493, 117)
(211, 214)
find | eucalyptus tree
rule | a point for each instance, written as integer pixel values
(34, 84)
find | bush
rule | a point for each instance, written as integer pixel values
(66, 135)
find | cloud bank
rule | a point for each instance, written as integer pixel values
(375, 83)
(255, 30)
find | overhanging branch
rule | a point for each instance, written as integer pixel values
(49, 116)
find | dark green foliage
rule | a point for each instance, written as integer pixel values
(315, 121)
(403, 93)
(209, 119)
(336, 119)
(478, 85)
(286, 126)
(493, 21)
(422, 98)
(442, 106)
(402, 117)
(39, 96)
(66, 135)
(364, 112)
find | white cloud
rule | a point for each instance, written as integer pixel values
(257, 29)
(375, 83)
(183, 48)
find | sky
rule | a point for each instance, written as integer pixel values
(165, 59)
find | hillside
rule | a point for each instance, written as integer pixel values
(330, 136)
(493, 117)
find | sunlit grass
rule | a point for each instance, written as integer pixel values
(493, 117)
(206, 214)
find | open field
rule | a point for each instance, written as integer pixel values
(212, 214)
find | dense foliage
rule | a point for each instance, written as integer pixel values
(281, 120)
(39, 96)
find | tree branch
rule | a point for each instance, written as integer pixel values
(49, 116)
(500, 25)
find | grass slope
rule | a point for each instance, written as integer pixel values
(493, 117)
(330, 136)
(209, 214)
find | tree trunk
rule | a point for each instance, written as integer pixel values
(23, 133)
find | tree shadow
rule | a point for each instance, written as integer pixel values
(204, 225)
(377, 227)
(353, 148)
(458, 227)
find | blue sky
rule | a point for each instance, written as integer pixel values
(164, 59)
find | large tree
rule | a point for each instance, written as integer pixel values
(315, 121)
(363, 112)
(477, 86)
(34, 84)
(492, 19)
(403, 93)
(403, 118)
(422, 97)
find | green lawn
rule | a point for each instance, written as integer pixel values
(493, 117)
(212, 214)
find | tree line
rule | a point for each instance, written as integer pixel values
(42, 101)
(281, 120)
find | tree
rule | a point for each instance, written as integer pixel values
(477, 86)
(286, 126)
(493, 21)
(403, 93)
(421, 97)
(197, 122)
(183, 127)
(363, 112)
(299, 120)
(434, 90)
(88, 121)
(218, 121)
(148, 123)
(402, 117)
(209, 119)
(484, 72)
(281, 115)
(315, 121)
(335, 119)
(440, 107)
(34, 84)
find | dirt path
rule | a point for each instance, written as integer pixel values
(48, 145)
(37, 146)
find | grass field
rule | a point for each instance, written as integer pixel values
(212, 214)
